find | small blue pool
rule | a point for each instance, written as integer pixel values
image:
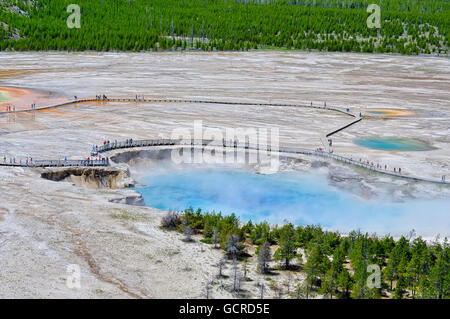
(393, 144)
(378, 112)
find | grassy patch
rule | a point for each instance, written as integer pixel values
(124, 214)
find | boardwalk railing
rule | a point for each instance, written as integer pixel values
(50, 106)
(57, 163)
(171, 100)
(179, 142)
(343, 127)
(240, 145)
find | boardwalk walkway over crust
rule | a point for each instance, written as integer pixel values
(58, 163)
(190, 101)
(246, 146)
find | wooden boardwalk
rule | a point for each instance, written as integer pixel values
(190, 101)
(171, 100)
(247, 146)
(344, 127)
(56, 163)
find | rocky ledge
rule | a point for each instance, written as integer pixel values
(91, 177)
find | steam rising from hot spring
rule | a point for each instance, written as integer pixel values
(297, 197)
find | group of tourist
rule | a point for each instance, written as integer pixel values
(107, 144)
(29, 160)
(98, 158)
(10, 108)
(101, 97)
(380, 166)
(320, 149)
(12, 160)
(372, 164)
(110, 145)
